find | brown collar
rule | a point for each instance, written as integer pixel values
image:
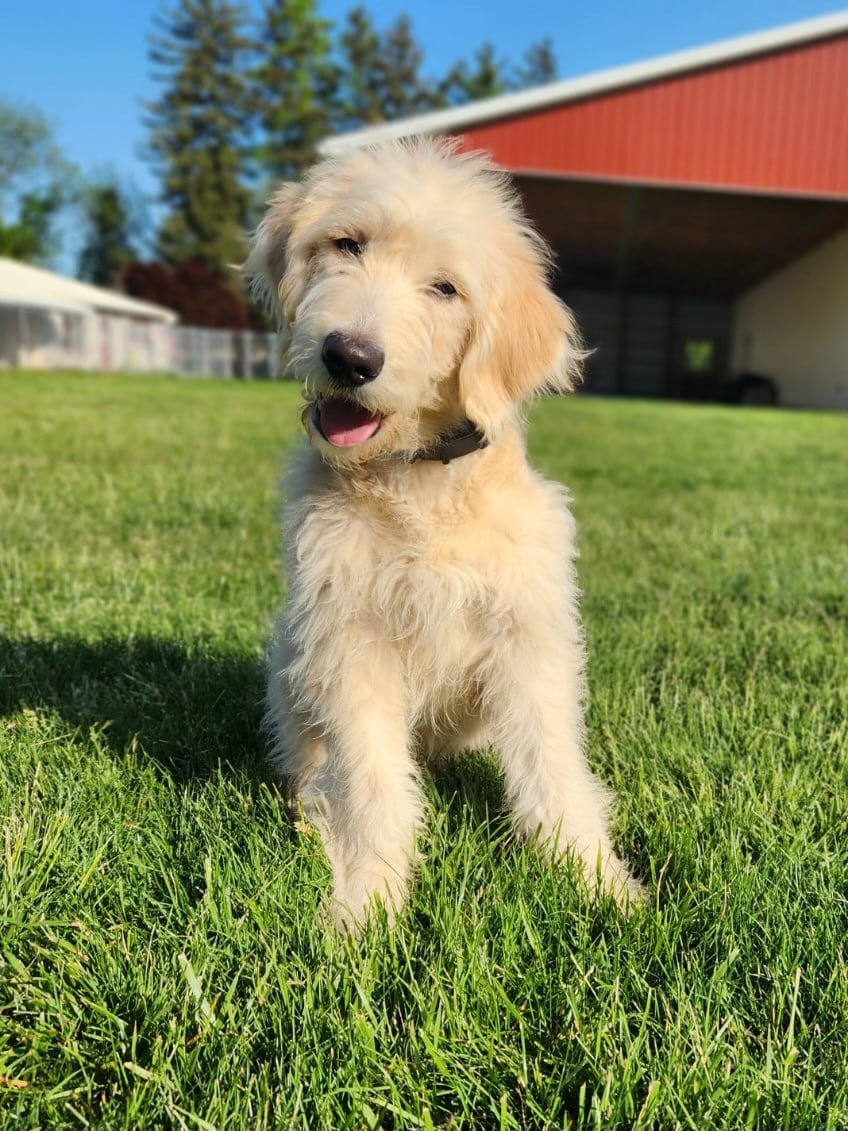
(460, 441)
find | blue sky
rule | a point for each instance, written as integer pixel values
(84, 62)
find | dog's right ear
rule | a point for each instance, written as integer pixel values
(525, 344)
(271, 268)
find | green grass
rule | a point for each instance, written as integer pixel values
(160, 963)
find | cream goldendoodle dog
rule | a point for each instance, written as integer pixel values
(432, 603)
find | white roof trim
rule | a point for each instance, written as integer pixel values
(598, 82)
(59, 306)
(22, 284)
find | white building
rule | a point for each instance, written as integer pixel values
(48, 321)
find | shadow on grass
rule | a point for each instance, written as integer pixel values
(188, 710)
(469, 784)
(191, 711)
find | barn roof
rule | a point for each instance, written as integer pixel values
(758, 113)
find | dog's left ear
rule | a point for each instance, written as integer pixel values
(271, 268)
(526, 343)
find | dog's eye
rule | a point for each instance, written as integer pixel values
(445, 288)
(348, 246)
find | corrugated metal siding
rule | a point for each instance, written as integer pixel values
(775, 123)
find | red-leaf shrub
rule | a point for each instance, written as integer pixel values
(198, 295)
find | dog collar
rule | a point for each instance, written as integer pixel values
(460, 441)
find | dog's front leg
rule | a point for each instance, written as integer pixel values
(372, 810)
(534, 708)
(365, 799)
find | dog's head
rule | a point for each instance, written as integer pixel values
(411, 293)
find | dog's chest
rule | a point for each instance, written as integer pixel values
(427, 591)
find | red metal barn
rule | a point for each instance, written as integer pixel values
(698, 207)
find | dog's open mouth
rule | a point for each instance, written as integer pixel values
(343, 423)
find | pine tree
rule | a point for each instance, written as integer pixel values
(198, 132)
(359, 47)
(486, 78)
(294, 86)
(381, 73)
(109, 244)
(538, 66)
(399, 87)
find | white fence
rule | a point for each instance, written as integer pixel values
(196, 351)
(46, 338)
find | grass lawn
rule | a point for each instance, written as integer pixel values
(160, 965)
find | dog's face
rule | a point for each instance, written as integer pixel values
(411, 294)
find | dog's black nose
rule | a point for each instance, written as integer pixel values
(351, 361)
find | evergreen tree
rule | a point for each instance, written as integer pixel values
(198, 131)
(399, 87)
(380, 74)
(539, 66)
(487, 77)
(109, 243)
(294, 86)
(361, 63)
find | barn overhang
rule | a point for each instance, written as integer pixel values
(609, 235)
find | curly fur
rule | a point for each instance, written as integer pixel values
(431, 607)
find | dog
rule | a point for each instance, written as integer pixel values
(432, 603)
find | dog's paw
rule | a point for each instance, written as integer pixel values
(616, 880)
(352, 921)
(353, 905)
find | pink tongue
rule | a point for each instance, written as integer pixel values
(345, 424)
